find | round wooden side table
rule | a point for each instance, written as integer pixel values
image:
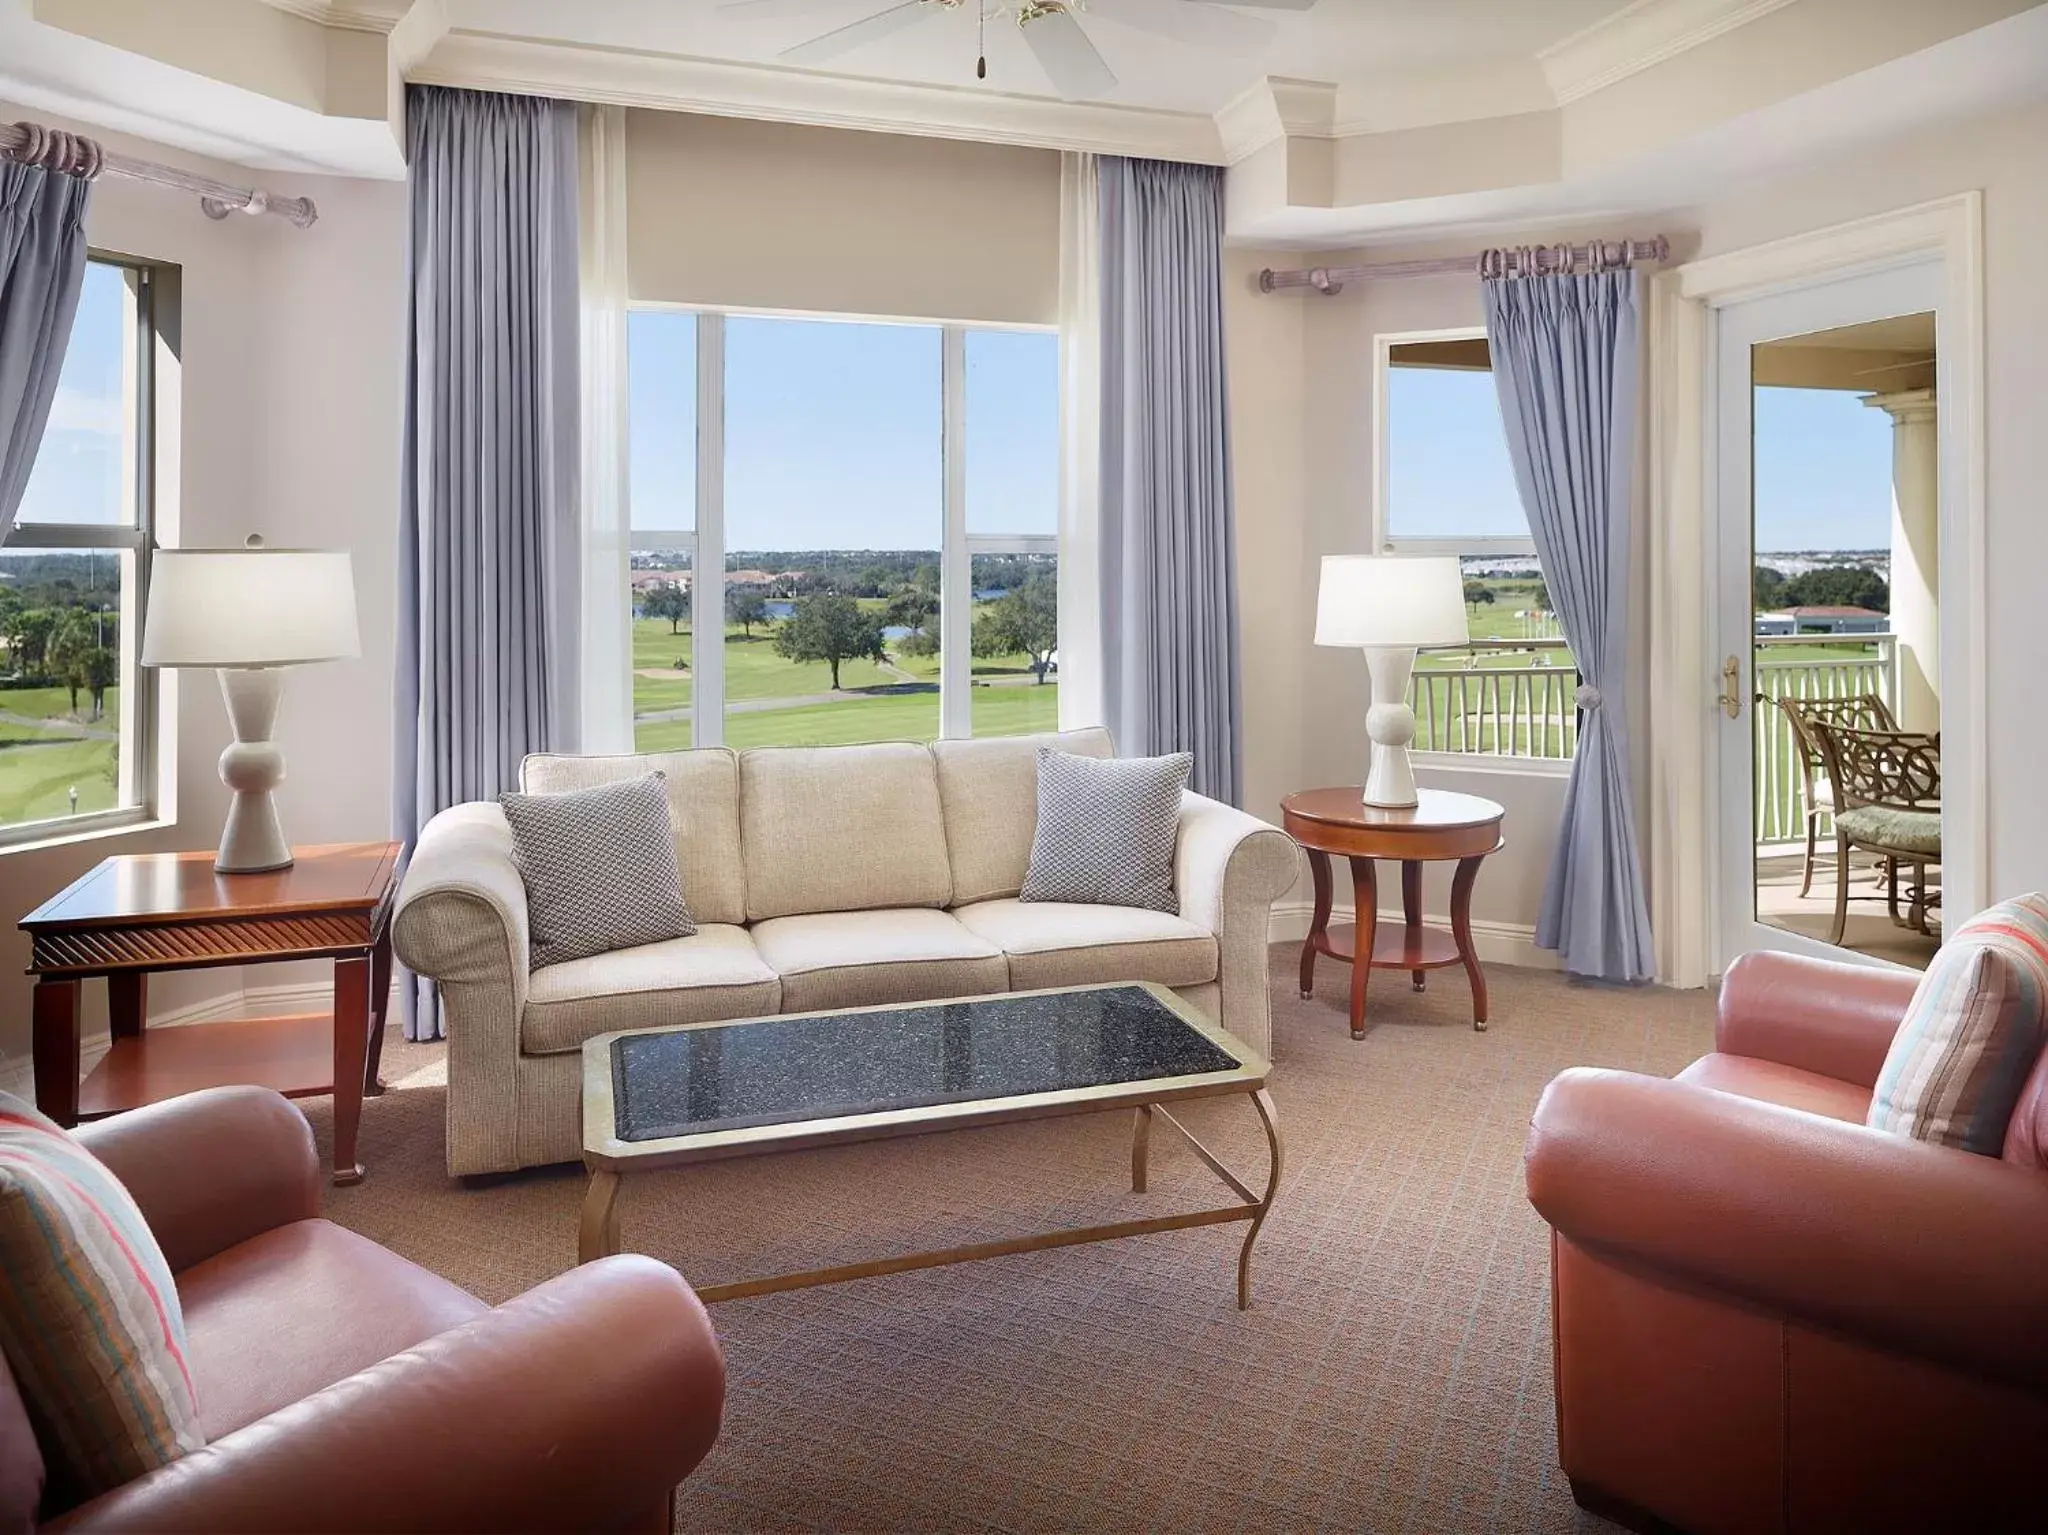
(1443, 826)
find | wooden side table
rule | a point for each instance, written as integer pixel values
(139, 913)
(1442, 826)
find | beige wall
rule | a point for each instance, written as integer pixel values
(755, 215)
(292, 370)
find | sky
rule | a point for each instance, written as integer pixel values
(77, 477)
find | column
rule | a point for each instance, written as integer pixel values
(1916, 540)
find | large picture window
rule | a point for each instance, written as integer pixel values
(76, 715)
(841, 530)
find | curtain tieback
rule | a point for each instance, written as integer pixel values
(1587, 697)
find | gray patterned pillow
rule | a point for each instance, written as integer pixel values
(599, 867)
(1106, 830)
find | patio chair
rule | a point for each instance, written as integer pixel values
(1859, 711)
(1887, 788)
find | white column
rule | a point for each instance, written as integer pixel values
(1915, 574)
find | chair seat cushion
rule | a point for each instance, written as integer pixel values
(1910, 831)
(298, 1308)
(868, 958)
(716, 972)
(1748, 1076)
(1064, 943)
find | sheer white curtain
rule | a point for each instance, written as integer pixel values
(1080, 586)
(606, 724)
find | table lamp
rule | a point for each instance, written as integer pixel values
(1388, 606)
(249, 613)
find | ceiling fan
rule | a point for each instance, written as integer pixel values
(1051, 28)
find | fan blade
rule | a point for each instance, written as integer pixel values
(1203, 25)
(1262, 5)
(1069, 60)
(855, 34)
(774, 10)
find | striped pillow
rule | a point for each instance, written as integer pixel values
(1972, 1034)
(89, 1316)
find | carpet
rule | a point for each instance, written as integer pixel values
(1393, 1373)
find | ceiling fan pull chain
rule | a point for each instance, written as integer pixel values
(981, 39)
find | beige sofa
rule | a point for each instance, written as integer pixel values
(819, 878)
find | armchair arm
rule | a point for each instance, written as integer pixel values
(1820, 1016)
(1229, 868)
(212, 1168)
(577, 1406)
(461, 915)
(1922, 1249)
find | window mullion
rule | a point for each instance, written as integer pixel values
(707, 576)
(956, 565)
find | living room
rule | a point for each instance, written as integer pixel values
(851, 399)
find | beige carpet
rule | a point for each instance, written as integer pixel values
(1393, 1374)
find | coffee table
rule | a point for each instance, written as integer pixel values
(669, 1097)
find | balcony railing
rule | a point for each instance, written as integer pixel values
(1783, 672)
(1498, 698)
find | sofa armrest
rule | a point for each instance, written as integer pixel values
(461, 914)
(211, 1169)
(578, 1406)
(1916, 1248)
(1229, 868)
(1815, 1014)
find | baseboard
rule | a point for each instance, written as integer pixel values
(1497, 943)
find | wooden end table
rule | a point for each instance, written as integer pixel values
(138, 913)
(1442, 826)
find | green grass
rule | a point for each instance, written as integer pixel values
(55, 703)
(35, 781)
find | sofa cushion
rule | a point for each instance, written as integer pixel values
(867, 958)
(989, 790)
(1107, 830)
(842, 828)
(1748, 1076)
(703, 812)
(599, 867)
(1062, 943)
(714, 973)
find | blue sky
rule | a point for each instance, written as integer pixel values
(77, 477)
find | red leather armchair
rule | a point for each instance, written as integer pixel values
(343, 1388)
(1770, 1318)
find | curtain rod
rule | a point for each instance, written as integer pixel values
(1517, 261)
(74, 154)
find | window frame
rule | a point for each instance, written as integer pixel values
(706, 542)
(138, 748)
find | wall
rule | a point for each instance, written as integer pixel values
(292, 365)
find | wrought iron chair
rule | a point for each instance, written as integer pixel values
(1859, 711)
(1887, 790)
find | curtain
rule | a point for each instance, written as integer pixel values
(1168, 554)
(607, 629)
(1565, 363)
(45, 185)
(489, 566)
(1080, 587)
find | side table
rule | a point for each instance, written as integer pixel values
(1442, 826)
(139, 913)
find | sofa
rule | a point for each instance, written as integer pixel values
(1768, 1317)
(819, 878)
(341, 1387)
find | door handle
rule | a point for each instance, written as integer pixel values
(1731, 688)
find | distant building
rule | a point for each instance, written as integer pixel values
(1827, 620)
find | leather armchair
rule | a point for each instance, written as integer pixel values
(344, 1388)
(1768, 1317)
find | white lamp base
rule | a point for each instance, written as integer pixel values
(252, 842)
(1390, 725)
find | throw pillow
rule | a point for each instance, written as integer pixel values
(89, 1316)
(1106, 830)
(1972, 1034)
(599, 866)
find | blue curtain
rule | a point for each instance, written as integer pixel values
(1169, 557)
(44, 189)
(1565, 365)
(489, 563)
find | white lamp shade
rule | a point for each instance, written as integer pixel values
(250, 607)
(1391, 600)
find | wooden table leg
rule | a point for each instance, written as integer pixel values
(380, 1006)
(1319, 925)
(1411, 912)
(127, 1003)
(1461, 928)
(1365, 904)
(55, 1015)
(597, 1235)
(351, 1055)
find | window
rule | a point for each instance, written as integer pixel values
(1447, 487)
(75, 710)
(842, 530)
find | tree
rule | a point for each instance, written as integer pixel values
(1479, 591)
(1539, 599)
(1839, 586)
(669, 602)
(72, 640)
(1023, 622)
(831, 629)
(1768, 587)
(28, 638)
(745, 606)
(102, 671)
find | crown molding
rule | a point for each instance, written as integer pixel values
(343, 18)
(1275, 108)
(1639, 37)
(678, 83)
